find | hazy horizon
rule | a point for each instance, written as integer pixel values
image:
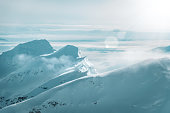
(132, 15)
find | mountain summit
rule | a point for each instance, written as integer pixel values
(68, 50)
(35, 67)
(32, 48)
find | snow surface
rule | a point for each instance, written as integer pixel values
(37, 73)
(65, 82)
(32, 48)
(141, 88)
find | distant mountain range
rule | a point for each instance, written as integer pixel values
(165, 49)
(2, 39)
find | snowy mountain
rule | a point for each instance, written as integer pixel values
(36, 71)
(65, 82)
(140, 88)
(165, 49)
(8, 60)
(3, 40)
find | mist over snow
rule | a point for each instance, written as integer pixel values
(97, 76)
(20, 68)
(84, 56)
(22, 59)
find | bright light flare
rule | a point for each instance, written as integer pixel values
(111, 42)
(155, 14)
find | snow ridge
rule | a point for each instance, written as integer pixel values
(35, 73)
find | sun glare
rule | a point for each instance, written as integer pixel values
(111, 42)
(155, 13)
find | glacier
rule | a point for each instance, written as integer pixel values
(63, 81)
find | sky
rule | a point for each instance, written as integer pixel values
(91, 25)
(116, 32)
(135, 15)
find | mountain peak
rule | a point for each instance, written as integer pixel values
(33, 48)
(68, 50)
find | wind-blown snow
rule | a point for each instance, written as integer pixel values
(36, 73)
(141, 88)
(62, 82)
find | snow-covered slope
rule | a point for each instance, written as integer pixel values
(57, 82)
(140, 88)
(36, 72)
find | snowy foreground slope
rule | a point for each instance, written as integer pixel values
(140, 88)
(36, 67)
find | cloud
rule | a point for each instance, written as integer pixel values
(22, 59)
(134, 52)
(57, 63)
(49, 64)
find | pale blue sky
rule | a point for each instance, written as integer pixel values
(137, 15)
